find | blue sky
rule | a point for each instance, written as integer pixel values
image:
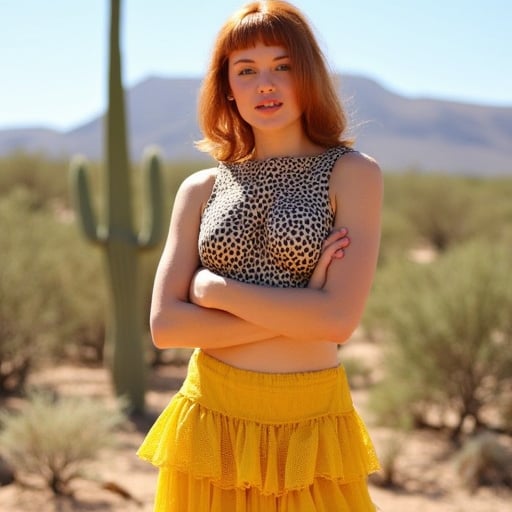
(53, 53)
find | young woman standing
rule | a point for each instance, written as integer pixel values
(257, 277)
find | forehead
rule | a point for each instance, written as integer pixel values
(258, 52)
(257, 27)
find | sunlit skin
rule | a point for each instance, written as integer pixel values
(257, 327)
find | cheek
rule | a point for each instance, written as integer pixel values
(244, 110)
(243, 98)
(240, 88)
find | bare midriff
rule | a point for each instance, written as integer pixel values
(279, 355)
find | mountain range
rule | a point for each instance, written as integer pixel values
(400, 132)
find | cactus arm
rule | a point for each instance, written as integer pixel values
(82, 201)
(152, 227)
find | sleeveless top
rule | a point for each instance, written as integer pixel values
(266, 220)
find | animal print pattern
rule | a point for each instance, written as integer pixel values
(266, 220)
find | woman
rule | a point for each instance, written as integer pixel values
(255, 276)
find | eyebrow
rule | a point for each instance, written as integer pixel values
(251, 61)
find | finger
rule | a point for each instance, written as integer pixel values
(336, 235)
(343, 230)
(334, 250)
(340, 253)
(332, 247)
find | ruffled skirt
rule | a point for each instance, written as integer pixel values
(243, 441)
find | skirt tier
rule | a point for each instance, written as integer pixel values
(243, 441)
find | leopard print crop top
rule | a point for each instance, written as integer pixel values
(266, 220)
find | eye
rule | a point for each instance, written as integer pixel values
(283, 67)
(245, 71)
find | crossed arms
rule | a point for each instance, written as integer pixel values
(193, 307)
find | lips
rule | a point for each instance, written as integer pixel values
(269, 104)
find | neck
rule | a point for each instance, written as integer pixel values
(271, 145)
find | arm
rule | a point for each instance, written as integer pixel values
(334, 311)
(174, 321)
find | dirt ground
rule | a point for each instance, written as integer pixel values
(120, 482)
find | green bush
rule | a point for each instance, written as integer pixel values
(24, 312)
(50, 288)
(443, 210)
(447, 330)
(45, 178)
(398, 236)
(53, 439)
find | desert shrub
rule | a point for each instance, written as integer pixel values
(493, 210)
(45, 178)
(484, 460)
(441, 208)
(80, 297)
(24, 312)
(398, 235)
(54, 439)
(448, 336)
(388, 456)
(49, 293)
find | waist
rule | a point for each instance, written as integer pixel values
(266, 397)
(279, 355)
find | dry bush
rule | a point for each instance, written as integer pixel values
(448, 336)
(54, 439)
(388, 456)
(439, 207)
(484, 460)
(51, 298)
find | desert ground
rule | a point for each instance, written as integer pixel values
(118, 481)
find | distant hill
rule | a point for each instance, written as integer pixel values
(401, 133)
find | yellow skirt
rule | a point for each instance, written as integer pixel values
(243, 441)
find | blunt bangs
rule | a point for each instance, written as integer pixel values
(260, 27)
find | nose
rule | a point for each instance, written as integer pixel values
(265, 85)
(263, 89)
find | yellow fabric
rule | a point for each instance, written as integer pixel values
(236, 440)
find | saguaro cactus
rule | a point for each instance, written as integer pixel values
(116, 234)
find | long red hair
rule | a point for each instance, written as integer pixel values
(227, 137)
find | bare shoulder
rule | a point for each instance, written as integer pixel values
(356, 174)
(200, 180)
(358, 163)
(198, 186)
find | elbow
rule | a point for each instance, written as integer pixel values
(342, 335)
(163, 334)
(340, 328)
(157, 332)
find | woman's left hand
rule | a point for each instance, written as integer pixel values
(332, 248)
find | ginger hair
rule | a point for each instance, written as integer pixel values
(227, 137)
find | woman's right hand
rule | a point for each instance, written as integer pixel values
(333, 248)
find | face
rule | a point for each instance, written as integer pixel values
(261, 82)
